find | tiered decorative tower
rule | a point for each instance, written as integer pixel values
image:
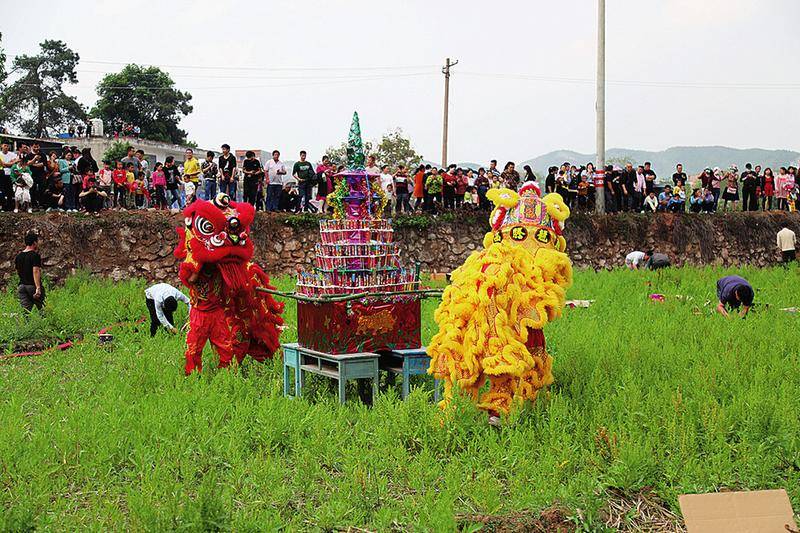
(358, 298)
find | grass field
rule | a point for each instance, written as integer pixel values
(649, 398)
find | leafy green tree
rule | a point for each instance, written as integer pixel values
(36, 101)
(393, 149)
(116, 151)
(145, 97)
(3, 76)
(338, 154)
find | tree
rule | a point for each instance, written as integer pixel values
(3, 75)
(393, 149)
(36, 101)
(116, 151)
(338, 154)
(145, 97)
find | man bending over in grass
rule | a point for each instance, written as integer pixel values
(733, 292)
(162, 301)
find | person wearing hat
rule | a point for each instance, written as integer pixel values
(162, 301)
(734, 292)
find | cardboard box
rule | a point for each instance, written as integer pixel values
(760, 511)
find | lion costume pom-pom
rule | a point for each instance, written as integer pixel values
(492, 314)
(216, 238)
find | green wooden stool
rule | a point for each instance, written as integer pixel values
(342, 368)
(407, 363)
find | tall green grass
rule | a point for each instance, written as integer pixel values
(662, 395)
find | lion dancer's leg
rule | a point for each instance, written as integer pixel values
(222, 338)
(541, 374)
(196, 340)
(500, 396)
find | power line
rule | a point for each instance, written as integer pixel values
(277, 69)
(638, 83)
(231, 87)
(290, 77)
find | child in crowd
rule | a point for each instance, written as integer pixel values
(476, 198)
(160, 184)
(105, 181)
(23, 181)
(120, 177)
(731, 193)
(130, 178)
(583, 192)
(651, 202)
(189, 190)
(139, 191)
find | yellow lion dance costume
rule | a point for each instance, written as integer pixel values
(491, 316)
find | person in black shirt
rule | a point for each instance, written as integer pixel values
(38, 169)
(251, 168)
(750, 182)
(628, 179)
(679, 178)
(173, 177)
(649, 178)
(29, 268)
(54, 195)
(227, 170)
(304, 173)
(550, 180)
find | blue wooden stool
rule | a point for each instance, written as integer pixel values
(291, 361)
(407, 363)
(342, 368)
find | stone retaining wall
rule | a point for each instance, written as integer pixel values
(122, 245)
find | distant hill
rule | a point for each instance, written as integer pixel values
(694, 158)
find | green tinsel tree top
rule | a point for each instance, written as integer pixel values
(355, 146)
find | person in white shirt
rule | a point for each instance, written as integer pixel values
(372, 167)
(7, 160)
(635, 260)
(387, 184)
(275, 171)
(787, 243)
(162, 301)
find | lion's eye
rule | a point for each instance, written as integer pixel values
(204, 226)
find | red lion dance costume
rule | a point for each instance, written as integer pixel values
(226, 309)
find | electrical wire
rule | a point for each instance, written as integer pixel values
(635, 83)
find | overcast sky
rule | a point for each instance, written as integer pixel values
(681, 72)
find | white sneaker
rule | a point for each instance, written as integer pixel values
(16, 210)
(48, 209)
(30, 210)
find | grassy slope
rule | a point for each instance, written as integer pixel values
(646, 394)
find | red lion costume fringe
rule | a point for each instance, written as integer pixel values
(217, 268)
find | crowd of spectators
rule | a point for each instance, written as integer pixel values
(72, 180)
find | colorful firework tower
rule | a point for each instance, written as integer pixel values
(357, 256)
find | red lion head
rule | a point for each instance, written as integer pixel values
(216, 232)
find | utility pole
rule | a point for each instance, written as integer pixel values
(599, 182)
(446, 72)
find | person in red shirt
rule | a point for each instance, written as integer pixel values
(120, 178)
(449, 187)
(419, 187)
(461, 187)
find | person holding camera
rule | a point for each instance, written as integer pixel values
(92, 198)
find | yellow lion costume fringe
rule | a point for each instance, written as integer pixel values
(492, 314)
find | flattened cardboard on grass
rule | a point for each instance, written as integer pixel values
(738, 512)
